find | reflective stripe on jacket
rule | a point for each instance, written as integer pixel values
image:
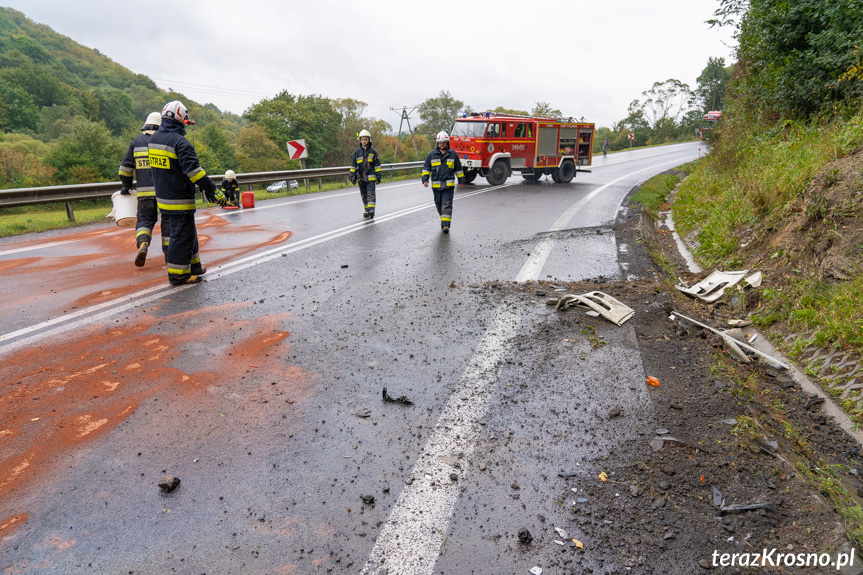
(136, 164)
(175, 168)
(366, 164)
(442, 169)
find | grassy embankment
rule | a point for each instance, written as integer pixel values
(754, 188)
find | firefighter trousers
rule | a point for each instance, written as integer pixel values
(182, 256)
(443, 202)
(148, 213)
(367, 191)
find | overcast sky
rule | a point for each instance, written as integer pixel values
(587, 59)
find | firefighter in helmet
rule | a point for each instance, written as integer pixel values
(176, 169)
(231, 188)
(136, 165)
(443, 167)
(366, 171)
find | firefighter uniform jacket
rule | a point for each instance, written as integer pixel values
(231, 188)
(136, 164)
(176, 169)
(443, 168)
(366, 164)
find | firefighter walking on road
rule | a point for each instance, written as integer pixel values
(366, 171)
(176, 169)
(136, 165)
(443, 167)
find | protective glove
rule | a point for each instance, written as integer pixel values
(125, 191)
(353, 180)
(220, 198)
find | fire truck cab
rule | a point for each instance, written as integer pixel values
(494, 145)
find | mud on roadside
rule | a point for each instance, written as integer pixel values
(748, 433)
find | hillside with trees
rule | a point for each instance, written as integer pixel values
(68, 112)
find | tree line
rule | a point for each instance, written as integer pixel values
(67, 114)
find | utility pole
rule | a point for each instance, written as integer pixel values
(405, 118)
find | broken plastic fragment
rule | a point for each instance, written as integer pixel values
(562, 533)
(536, 570)
(652, 381)
(578, 543)
(713, 286)
(603, 476)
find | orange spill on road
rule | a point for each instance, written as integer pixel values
(79, 387)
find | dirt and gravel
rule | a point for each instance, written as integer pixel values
(743, 436)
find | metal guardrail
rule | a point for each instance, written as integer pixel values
(70, 193)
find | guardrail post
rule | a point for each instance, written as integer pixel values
(320, 184)
(69, 213)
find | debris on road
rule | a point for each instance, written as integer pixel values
(714, 285)
(746, 507)
(363, 412)
(536, 570)
(562, 532)
(403, 399)
(368, 500)
(659, 441)
(652, 381)
(770, 359)
(601, 303)
(169, 483)
(524, 536)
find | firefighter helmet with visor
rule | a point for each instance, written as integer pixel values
(177, 111)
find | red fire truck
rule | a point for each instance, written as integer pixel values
(494, 145)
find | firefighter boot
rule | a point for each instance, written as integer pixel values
(141, 258)
(372, 214)
(366, 214)
(445, 229)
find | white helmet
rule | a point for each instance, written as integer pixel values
(177, 111)
(230, 175)
(442, 136)
(365, 134)
(153, 119)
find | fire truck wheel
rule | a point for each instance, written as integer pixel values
(566, 172)
(498, 173)
(470, 175)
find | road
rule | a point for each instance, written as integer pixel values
(261, 388)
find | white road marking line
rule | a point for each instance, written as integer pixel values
(106, 309)
(409, 543)
(533, 266)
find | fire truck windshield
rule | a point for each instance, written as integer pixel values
(469, 129)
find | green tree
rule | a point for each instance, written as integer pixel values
(287, 117)
(502, 110)
(19, 111)
(223, 156)
(710, 89)
(439, 113)
(88, 151)
(544, 110)
(791, 54)
(664, 101)
(256, 152)
(115, 109)
(20, 169)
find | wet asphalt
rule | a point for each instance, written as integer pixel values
(274, 463)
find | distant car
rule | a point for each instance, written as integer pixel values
(283, 186)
